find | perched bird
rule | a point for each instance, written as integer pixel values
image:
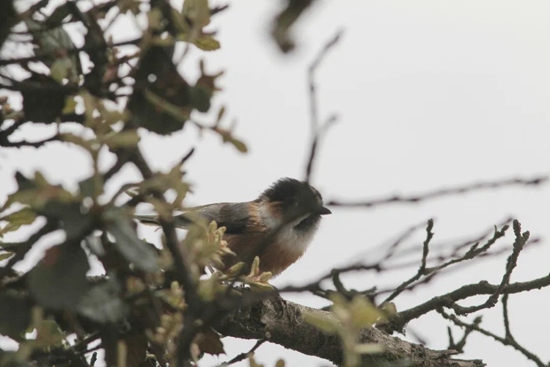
(277, 226)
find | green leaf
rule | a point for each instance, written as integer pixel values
(59, 280)
(77, 140)
(102, 302)
(160, 105)
(207, 43)
(53, 42)
(70, 105)
(49, 334)
(91, 186)
(177, 112)
(200, 97)
(74, 221)
(221, 113)
(284, 22)
(61, 69)
(239, 145)
(123, 139)
(15, 314)
(5, 255)
(44, 104)
(198, 11)
(21, 217)
(227, 137)
(135, 250)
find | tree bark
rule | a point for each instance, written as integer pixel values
(281, 322)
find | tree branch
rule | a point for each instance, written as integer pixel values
(467, 291)
(441, 193)
(281, 322)
(316, 130)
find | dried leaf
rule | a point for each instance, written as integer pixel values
(209, 342)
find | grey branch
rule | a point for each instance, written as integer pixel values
(281, 322)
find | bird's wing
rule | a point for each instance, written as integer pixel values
(235, 217)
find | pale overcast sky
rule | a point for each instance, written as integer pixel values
(429, 93)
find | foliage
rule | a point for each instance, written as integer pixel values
(139, 308)
(154, 305)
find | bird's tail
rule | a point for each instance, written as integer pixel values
(180, 221)
(147, 219)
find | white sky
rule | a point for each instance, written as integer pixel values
(429, 94)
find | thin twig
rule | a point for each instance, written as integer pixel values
(316, 130)
(519, 243)
(243, 356)
(503, 341)
(441, 193)
(421, 269)
(464, 292)
(85, 48)
(4, 142)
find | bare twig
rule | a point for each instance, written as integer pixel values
(459, 346)
(441, 193)
(473, 252)
(504, 341)
(316, 130)
(421, 269)
(521, 240)
(243, 356)
(85, 48)
(464, 292)
(5, 142)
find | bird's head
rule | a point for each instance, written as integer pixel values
(296, 201)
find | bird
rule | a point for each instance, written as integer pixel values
(277, 226)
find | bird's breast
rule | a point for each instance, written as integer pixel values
(285, 249)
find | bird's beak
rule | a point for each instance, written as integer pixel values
(324, 211)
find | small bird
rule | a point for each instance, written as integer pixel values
(277, 226)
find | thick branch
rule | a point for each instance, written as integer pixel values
(466, 291)
(281, 322)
